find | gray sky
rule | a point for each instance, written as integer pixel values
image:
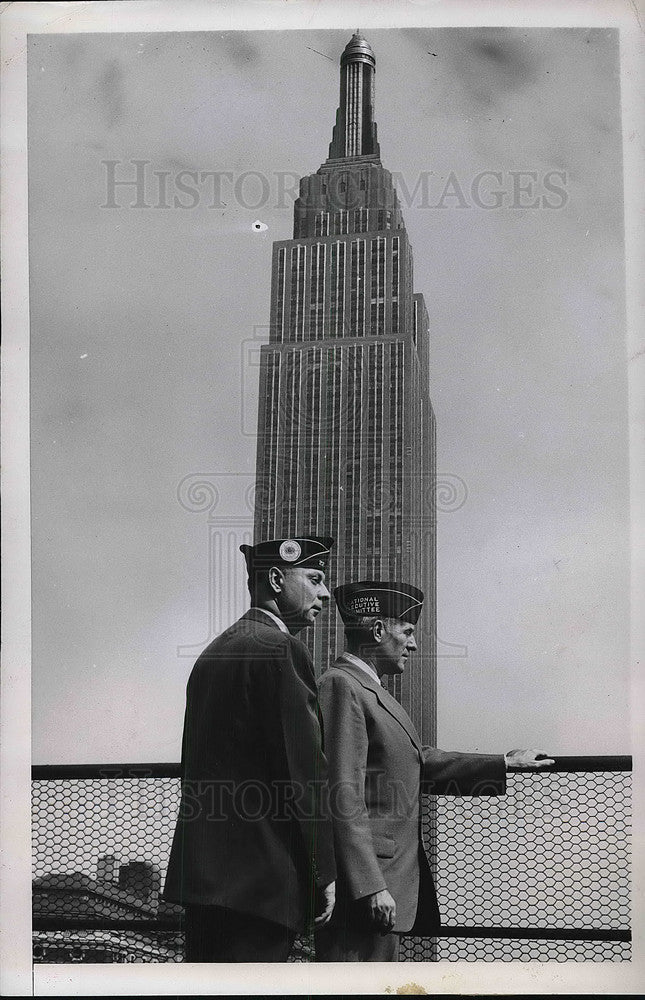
(141, 372)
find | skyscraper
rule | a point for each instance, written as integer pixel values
(346, 442)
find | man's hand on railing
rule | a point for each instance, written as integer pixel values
(519, 760)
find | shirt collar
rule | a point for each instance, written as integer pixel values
(281, 625)
(356, 660)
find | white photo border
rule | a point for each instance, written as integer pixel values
(18, 976)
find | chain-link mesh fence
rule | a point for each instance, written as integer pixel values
(541, 874)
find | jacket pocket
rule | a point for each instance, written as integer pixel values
(384, 846)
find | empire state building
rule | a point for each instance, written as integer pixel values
(346, 439)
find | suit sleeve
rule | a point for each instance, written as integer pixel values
(297, 695)
(347, 747)
(451, 773)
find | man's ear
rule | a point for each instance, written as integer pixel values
(276, 579)
(378, 630)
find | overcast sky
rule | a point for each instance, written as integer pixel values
(142, 373)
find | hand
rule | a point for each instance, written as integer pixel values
(382, 910)
(325, 905)
(536, 760)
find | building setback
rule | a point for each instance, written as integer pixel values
(346, 439)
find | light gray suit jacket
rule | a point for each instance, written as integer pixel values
(377, 769)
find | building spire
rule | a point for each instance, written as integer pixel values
(355, 130)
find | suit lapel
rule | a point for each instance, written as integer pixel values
(384, 697)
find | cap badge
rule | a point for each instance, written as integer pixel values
(290, 550)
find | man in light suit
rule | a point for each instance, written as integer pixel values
(252, 859)
(377, 769)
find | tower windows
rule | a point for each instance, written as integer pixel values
(395, 285)
(377, 286)
(361, 216)
(321, 224)
(337, 295)
(317, 291)
(279, 315)
(297, 299)
(357, 291)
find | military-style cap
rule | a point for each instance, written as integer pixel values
(375, 597)
(310, 551)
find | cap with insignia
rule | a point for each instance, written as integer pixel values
(376, 598)
(310, 551)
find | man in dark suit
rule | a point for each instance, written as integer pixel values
(377, 769)
(252, 858)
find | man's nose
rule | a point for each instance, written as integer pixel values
(412, 644)
(324, 593)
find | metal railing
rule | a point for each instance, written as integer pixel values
(541, 873)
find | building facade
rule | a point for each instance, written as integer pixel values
(346, 435)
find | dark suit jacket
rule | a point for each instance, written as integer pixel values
(252, 834)
(377, 769)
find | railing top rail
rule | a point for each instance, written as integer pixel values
(616, 762)
(52, 772)
(57, 771)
